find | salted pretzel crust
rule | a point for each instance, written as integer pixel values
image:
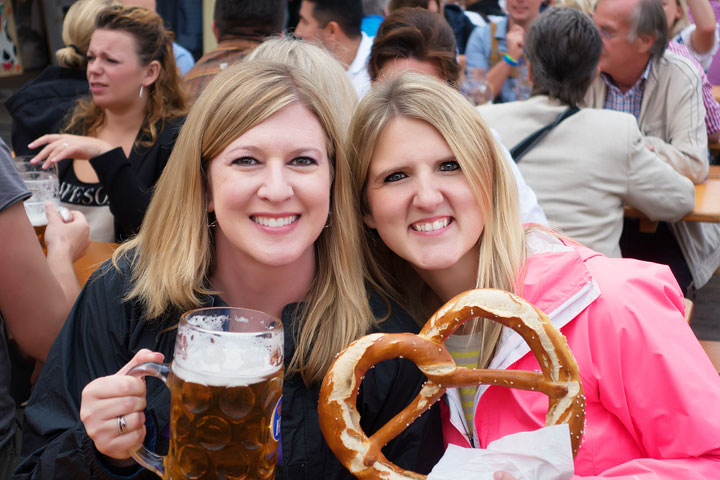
(340, 420)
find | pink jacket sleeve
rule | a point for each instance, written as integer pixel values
(652, 375)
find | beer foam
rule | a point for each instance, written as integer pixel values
(239, 364)
(221, 378)
(36, 213)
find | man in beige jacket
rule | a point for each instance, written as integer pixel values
(662, 90)
(593, 162)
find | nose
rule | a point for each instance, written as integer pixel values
(93, 67)
(428, 195)
(275, 186)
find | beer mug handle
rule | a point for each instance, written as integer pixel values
(142, 455)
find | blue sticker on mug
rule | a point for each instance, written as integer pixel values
(275, 423)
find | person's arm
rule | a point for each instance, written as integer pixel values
(702, 38)
(33, 301)
(66, 242)
(499, 73)
(653, 187)
(129, 188)
(686, 147)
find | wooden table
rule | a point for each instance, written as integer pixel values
(707, 204)
(95, 255)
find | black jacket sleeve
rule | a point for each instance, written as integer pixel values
(129, 182)
(98, 338)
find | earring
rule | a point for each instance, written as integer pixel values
(141, 90)
(329, 220)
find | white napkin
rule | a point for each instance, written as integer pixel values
(544, 454)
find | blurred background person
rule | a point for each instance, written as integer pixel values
(497, 48)
(583, 183)
(699, 36)
(36, 293)
(336, 25)
(679, 46)
(238, 26)
(40, 105)
(116, 143)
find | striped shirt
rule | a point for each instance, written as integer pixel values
(466, 354)
(712, 108)
(630, 101)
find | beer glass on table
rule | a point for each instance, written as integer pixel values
(44, 186)
(225, 384)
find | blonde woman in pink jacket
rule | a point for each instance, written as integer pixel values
(440, 216)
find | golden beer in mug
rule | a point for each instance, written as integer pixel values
(225, 383)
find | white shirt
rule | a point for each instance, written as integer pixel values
(358, 71)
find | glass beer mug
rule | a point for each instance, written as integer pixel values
(225, 383)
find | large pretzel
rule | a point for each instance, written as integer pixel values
(340, 420)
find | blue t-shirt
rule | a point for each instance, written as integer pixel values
(12, 191)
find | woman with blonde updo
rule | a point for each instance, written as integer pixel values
(39, 106)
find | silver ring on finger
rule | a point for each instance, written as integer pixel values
(122, 426)
(65, 145)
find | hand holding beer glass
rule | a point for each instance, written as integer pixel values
(44, 186)
(226, 387)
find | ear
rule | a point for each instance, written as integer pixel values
(369, 220)
(332, 30)
(644, 43)
(152, 70)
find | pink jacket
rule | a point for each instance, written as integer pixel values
(653, 397)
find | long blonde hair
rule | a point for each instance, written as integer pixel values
(173, 254)
(78, 26)
(317, 62)
(501, 245)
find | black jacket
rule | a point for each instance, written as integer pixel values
(129, 182)
(103, 333)
(40, 105)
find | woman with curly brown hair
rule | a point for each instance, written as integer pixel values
(117, 142)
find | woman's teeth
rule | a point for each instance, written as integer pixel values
(274, 222)
(431, 226)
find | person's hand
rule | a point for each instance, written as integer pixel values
(503, 476)
(61, 146)
(106, 400)
(69, 238)
(515, 42)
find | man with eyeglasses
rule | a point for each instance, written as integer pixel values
(663, 91)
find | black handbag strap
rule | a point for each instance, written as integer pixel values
(519, 150)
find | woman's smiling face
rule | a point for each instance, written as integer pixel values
(419, 200)
(270, 189)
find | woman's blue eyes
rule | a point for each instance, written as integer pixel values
(394, 177)
(449, 166)
(303, 161)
